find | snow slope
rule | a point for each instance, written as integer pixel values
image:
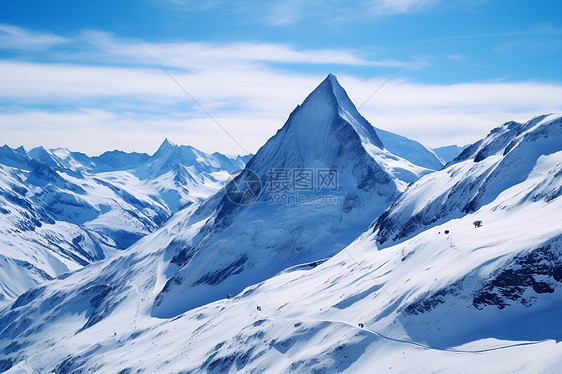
(473, 179)
(33, 246)
(481, 299)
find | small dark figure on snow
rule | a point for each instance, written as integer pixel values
(477, 224)
(361, 325)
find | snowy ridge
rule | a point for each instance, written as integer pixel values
(472, 180)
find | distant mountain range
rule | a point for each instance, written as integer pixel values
(62, 210)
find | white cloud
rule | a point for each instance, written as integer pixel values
(197, 55)
(251, 104)
(129, 102)
(398, 6)
(455, 57)
(288, 12)
(459, 113)
(94, 131)
(13, 37)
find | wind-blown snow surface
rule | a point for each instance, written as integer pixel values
(61, 210)
(484, 299)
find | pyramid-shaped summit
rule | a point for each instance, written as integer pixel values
(324, 127)
(331, 93)
(325, 132)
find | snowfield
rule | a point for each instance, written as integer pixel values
(224, 288)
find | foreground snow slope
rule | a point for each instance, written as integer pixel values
(484, 299)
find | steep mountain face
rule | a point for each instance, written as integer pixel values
(477, 298)
(193, 260)
(449, 152)
(325, 133)
(473, 179)
(62, 210)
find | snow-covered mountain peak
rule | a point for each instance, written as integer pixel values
(324, 133)
(166, 147)
(505, 137)
(326, 130)
(60, 158)
(326, 111)
(503, 159)
(17, 158)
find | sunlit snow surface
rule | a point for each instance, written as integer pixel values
(416, 299)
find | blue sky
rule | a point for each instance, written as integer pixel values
(80, 74)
